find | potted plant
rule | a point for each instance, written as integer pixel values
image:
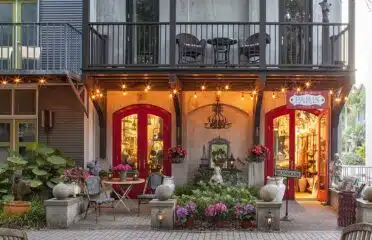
(246, 213)
(177, 154)
(185, 215)
(123, 170)
(75, 177)
(257, 153)
(218, 212)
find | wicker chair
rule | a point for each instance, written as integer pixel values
(12, 234)
(191, 47)
(250, 48)
(359, 231)
(154, 180)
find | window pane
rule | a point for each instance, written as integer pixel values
(26, 132)
(25, 102)
(4, 154)
(155, 142)
(4, 132)
(129, 136)
(5, 102)
(6, 15)
(281, 142)
(29, 32)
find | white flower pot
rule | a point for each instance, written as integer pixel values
(269, 192)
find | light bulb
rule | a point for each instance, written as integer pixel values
(242, 97)
(308, 84)
(346, 98)
(274, 95)
(338, 99)
(298, 89)
(93, 97)
(97, 90)
(219, 92)
(174, 91)
(170, 95)
(227, 87)
(124, 93)
(17, 80)
(252, 97)
(331, 92)
(195, 96)
(4, 82)
(283, 89)
(254, 92)
(203, 87)
(42, 81)
(148, 87)
(124, 86)
(100, 95)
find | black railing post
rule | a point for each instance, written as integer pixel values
(172, 32)
(85, 38)
(262, 34)
(351, 40)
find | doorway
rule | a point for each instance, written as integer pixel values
(298, 140)
(142, 137)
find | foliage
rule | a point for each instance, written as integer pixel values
(184, 213)
(185, 189)
(245, 211)
(178, 151)
(34, 219)
(229, 175)
(219, 157)
(351, 158)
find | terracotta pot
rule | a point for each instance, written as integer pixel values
(246, 224)
(219, 223)
(16, 208)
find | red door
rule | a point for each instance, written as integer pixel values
(141, 137)
(281, 138)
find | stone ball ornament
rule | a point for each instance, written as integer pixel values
(368, 194)
(268, 192)
(61, 191)
(163, 192)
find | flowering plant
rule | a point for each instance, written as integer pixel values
(257, 153)
(178, 151)
(77, 174)
(183, 213)
(216, 210)
(245, 211)
(123, 168)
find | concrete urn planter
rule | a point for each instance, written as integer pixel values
(61, 191)
(368, 194)
(163, 192)
(269, 192)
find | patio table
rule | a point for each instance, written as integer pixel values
(126, 186)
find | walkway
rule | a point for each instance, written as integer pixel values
(310, 220)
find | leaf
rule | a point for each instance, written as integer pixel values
(57, 160)
(40, 161)
(50, 184)
(44, 151)
(8, 197)
(32, 146)
(3, 191)
(4, 166)
(17, 160)
(31, 166)
(55, 180)
(36, 183)
(39, 172)
(70, 163)
(6, 180)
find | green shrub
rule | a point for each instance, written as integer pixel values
(184, 189)
(34, 219)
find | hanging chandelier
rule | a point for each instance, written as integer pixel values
(217, 120)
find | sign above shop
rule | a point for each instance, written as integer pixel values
(307, 100)
(287, 173)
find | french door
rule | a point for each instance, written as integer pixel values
(142, 137)
(298, 140)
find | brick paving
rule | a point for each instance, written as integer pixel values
(310, 220)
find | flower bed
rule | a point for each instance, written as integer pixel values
(207, 206)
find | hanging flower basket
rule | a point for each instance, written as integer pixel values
(177, 154)
(257, 154)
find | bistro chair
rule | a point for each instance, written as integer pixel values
(250, 48)
(359, 231)
(94, 191)
(12, 234)
(190, 46)
(152, 181)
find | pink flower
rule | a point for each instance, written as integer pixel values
(122, 167)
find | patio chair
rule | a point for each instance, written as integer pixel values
(94, 190)
(12, 234)
(359, 231)
(154, 180)
(190, 46)
(250, 48)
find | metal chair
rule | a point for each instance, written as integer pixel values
(93, 189)
(154, 180)
(250, 48)
(12, 234)
(191, 47)
(359, 231)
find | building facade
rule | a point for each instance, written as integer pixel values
(42, 96)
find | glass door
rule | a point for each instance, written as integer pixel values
(5, 139)
(323, 158)
(25, 131)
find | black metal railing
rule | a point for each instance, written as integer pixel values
(219, 44)
(44, 47)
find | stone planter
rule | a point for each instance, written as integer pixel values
(16, 208)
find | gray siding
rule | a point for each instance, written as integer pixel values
(68, 132)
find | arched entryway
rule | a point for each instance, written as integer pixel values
(298, 140)
(142, 137)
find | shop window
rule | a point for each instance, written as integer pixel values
(24, 102)
(5, 102)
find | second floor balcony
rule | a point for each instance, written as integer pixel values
(233, 45)
(39, 48)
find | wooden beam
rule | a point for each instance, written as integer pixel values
(78, 95)
(176, 84)
(260, 86)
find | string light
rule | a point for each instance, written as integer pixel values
(174, 91)
(123, 86)
(242, 96)
(203, 87)
(283, 89)
(170, 95)
(298, 89)
(124, 93)
(42, 81)
(148, 87)
(227, 87)
(4, 82)
(330, 92)
(254, 92)
(97, 94)
(274, 95)
(219, 92)
(346, 98)
(252, 97)
(17, 80)
(308, 84)
(195, 96)
(338, 99)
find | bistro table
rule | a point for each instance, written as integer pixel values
(222, 47)
(126, 186)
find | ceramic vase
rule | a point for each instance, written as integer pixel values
(368, 194)
(163, 192)
(278, 181)
(61, 191)
(269, 192)
(302, 182)
(170, 182)
(123, 175)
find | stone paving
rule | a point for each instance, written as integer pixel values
(310, 220)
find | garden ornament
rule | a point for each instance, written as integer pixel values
(217, 177)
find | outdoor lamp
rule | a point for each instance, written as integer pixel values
(160, 217)
(135, 176)
(269, 220)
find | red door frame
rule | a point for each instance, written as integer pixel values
(142, 110)
(269, 140)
